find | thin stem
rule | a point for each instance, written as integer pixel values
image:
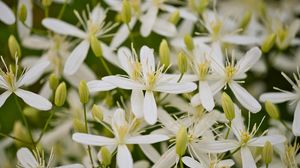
(14, 138)
(232, 153)
(180, 77)
(87, 131)
(267, 165)
(46, 11)
(227, 134)
(105, 65)
(181, 163)
(286, 126)
(46, 125)
(62, 10)
(130, 33)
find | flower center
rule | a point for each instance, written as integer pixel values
(136, 70)
(203, 70)
(245, 137)
(216, 27)
(122, 132)
(151, 79)
(230, 71)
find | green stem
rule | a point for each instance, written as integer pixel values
(267, 165)
(227, 134)
(46, 125)
(14, 138)
(62, 10)
(180, 77)
(130, 34)
(46, 11)
(232, 153)
(286, 126)
(87, 131)
(181, 163)
(105, 65)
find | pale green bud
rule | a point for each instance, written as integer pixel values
(60, 94)
(19, 131)
(53, 81)
(245, 20)
(175, 17)
(79, 126)
(268, 43)
(181, 140)
(14, 47)
(22, 13)
(202, 6)
(97, 113)
(267, 152)
(272, 110)
(46, 3)
(182, 62)
(32, 114)
(109, 100)
(228, 107)
(126, 12)
(106, 156)
(189, 43)
(164, 53)
(96, 46)
(84, 92)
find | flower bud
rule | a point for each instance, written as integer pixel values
(14, 47)
(126, 12)
(175, 17)
(272, 110)
(96, 46)
(22, 13)
(164, 53)
(83, 92)
(202, 6)
(79, 126)
(267, 152)
(182, 62)
(97, 113)
(268, 43)
(228, 107)
(60, 94)
(181, 140)
(106, 156)
(245, 20)
(189, 43)
(32, 114)
(20, 132)
(46, 3)
(53, 81)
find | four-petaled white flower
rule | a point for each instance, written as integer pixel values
(192, 163)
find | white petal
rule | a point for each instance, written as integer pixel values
(278, 97)
(26, 158)
(76, 58)
(125, 56)
(224, 163)
(150, 152)
(146, 139)
(141, 164)
(260, 141)
(24, 31)
(164, 28)
(217, 146)
(241, 39)
(46, 90)
(95, 140)
(123, 83)
(247, 158)
(167, 160)
(62, 27)
(195, 101)
(217, 86)
(114, 4)
(242, 95)
(34, 100)
(71, 166)
(248, 60)
(99, 85)
(122, 34)
(6, 14)
(296, 122)
(124, 158)
(237, 124)
(119, 118)
(176, 88)
(136, 100)
(192, 163)
(3, 83)
(109, 55)
(28, 61)
(36, 42)
(3, 97)
(169, 123)
(148, 21)
(150, 108)
(84, 73)
(147, 60)
(184, 13)
(206, 96)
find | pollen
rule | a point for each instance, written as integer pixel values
(245, 137)
(230, 71)
(203, 70)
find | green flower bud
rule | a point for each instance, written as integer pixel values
(202, 6)
(189, 43)
(267, 152)
(268, 43)
(182, 62)
(79, 126)
(83, 92)
(181, 140)
(53, 81)
(96, 46)
(245, 20)
(22, 13)
(46, 3)
(106, 156)
(272, 110)
(97, 113)
(126, 12)
(175, 17)
(20, 132)
(60, 94)
(164, 53)
(32, 114)
(14, 47)
(228, 107)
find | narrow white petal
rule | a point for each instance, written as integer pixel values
(36, 42)
(124, 56)
(176, 88)
(109, 55)
(123, 83)
(119, 118)
(167, 160)
(169, 123)
(147, 60)
(206, 96)
(3, 83)
(184, 13)
(195, 101)
(99, 85)
(148, 21)
(136, 99)
(242, 95)
(217, 86)
(217, 146)
(3, 97)
(146, 139)
(192, 163)
(34, 100)
(225, 163)
(6, 14)
(124, 158)
(46, 90)
(26, 158)
(24, 31)
(165, 28)
(62, 27)
(141, 164)
(247, 158)
(248, 60)
(71, 166)
(95, 140)
(76, 58)
(296, 122)
(150, 152)
(83, 73)
(242, 39)
(237, 124)
(260, 141)
(122, 34)
(278, 97)
(150, 108)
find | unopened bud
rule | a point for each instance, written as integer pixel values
(202, 6)
(228, 107)
(245, 20)
(126, 12)
(32, 114)
(60, 94)
(96, 46)
(268, 43)
(267, 152)
(22, 13)
(14, 47)
(164, 53)
(79, 126)
(189, 43)
(174, 18)
(106, 156)
(181, 140)
(272, 110)
(182, 62)
(20, 132)
(46, 3)
(53, 81)
(97, 113)
(83, 92)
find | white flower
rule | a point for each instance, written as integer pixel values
(11, 82)
(94, 26)
(121, 130)
(6, 14)
(231, 73)
(149, 79)
(192, 163)
(293, 97)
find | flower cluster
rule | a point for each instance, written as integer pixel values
(150, 83)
